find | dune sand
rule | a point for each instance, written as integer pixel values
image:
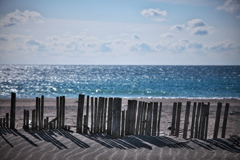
(60, 144)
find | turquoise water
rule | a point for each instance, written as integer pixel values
(29, 81)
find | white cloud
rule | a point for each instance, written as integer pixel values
(198, 27)
(196, 23)
(18, 17)
(167, 35)
(238, 17)
(230, 6)
(177, 27)
(155, 14)
(225, 45)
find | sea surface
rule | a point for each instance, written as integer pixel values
(30, 81)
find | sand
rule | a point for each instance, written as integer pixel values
(59, 144)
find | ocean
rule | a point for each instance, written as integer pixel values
(30, 81)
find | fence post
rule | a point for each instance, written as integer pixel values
(96, 122)
(206, 117)
(149, 118)
(178, 118)
(117, 103)
(104, 115)
(193, 119)
(139, 115)
(1, 124)
(123, 123)
(197, 120)
(100, 113)
(13, 110)
(154, 124)
(128, 114)
(7, 120)
(33, 119)
(186, 121)
(109, 123)
(42, 112)
(58, 113)
(217, 119)
(159, 117)
(92, 123)
(86, 118)
(80, 113)
(173, 131)
(24, 118)
(225, 120)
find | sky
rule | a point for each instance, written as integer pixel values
(120, 32)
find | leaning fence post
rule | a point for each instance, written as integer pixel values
(33, 119)
(96, 127)
(86, 118)
(149, 118)
(173, 131)
(41, 112)
(7, 120)
(92, 114)
(206, 117)
(117, 103)
(105, 115)
(225, 120)
(197, 120)
(13, 111)
(139, 115)
(159, 117)
(123, 123)
(193, 119)
(154, 124)
(109, 123)
(80, 113)
(186, 121)
(218, 114)
(178, 118)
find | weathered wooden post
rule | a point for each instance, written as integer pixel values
(80, 113)
(178, 118)
(149, 119)
(4, 122)
(34, 119)
(132, 116)
(96, 123)
(154, 124)
(27, 119)
(197, 126)
(58, 115)
(193, 119)
(100, 114)
(104, 115)
(92, 118)
(41, 112)
(159, 117)
(7, 120)
(139, 116)
(217, 120)
(13, 110)
(63, 111)
(173, 131)
(206, 117)
(224, 126)
(143, 122)
(117, 103)
(24, 118)
(128, 114)
(109, 122)
(1, 122)
(87, 114)
(186, 121)
(123, 123)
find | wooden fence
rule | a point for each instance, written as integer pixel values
(107, 116)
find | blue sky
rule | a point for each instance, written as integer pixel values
(148, 32)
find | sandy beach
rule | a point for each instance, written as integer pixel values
(59, 144)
